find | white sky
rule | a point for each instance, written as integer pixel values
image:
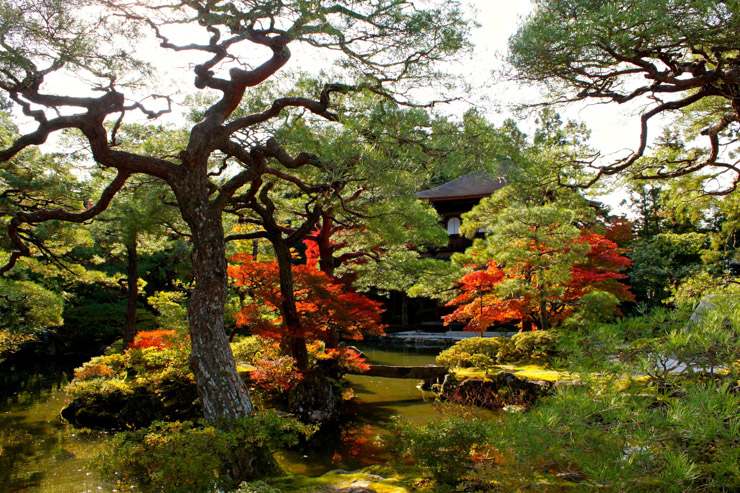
(615, 130)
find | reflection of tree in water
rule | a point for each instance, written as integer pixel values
(29, 435)
(20, 444)
(27, 385)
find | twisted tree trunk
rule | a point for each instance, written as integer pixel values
(132, 292)
(222, 392)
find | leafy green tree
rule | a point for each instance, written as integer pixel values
(32, 299)
(538, 242)
(535, 233)
(385, 48)
(662, 262)
(26, 309)
(141, 219)
(136, 222)
(673, 57)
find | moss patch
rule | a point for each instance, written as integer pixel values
(525, 371)
(380, 479)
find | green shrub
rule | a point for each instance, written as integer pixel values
(187, 457)
(467, 352)
(151, 383)
(101, 379)
(133, 389)
(257, 487)
(484, 352)
(245, 349)
(444, 448)
(537, 344)
(631, 441)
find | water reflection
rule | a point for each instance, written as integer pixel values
(361, 442)
(39, 453)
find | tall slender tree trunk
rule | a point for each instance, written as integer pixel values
(544, 322)
(404, 310)
(326, 250)
(326, 265)
(132, 291)
(222, 392)
(294, 338)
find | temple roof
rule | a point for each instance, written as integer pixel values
(471, 185)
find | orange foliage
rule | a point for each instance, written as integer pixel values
(602, 270)
(88, 372)
(161, 339)
(481, 307)
(276, 375)
(478, 303)
(349, 359)
(323, 305)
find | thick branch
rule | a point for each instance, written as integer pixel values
(44, 215)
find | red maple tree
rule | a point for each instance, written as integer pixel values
(161, 339)
(325, 306)
(481, 307)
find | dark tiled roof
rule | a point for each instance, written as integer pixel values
(470, 185)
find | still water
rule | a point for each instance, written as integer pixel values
(377, 400)
(39, 453)
(361, 442)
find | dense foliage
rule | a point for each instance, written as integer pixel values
(528, 290)
(152, 380)
(271, 160)
(327, 309)
(672, 58)
(186, 456)
(656, 407)
(290, 142)
(485, 352)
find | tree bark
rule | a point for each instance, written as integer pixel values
(132, 292)
(222, 392)
(294, 339)
(544, 322)
(326, 250)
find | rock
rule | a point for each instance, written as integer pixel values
(140, 410)
(708, 304)
(79, 414)
(505, 389)
(314, 400)
(356, 489)
(118, 410)
(413, 372)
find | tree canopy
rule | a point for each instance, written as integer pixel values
(674, 58)
(247, 145)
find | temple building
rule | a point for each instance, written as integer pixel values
(451, 200)
(454, 198)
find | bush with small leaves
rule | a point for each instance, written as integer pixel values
(183, 456)
(485, 352)
(532, 345)
(444, 448)
(246, 349)
(467, 352)
(257, 487)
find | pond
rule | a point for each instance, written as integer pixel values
(377, 400)
(41, 454)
